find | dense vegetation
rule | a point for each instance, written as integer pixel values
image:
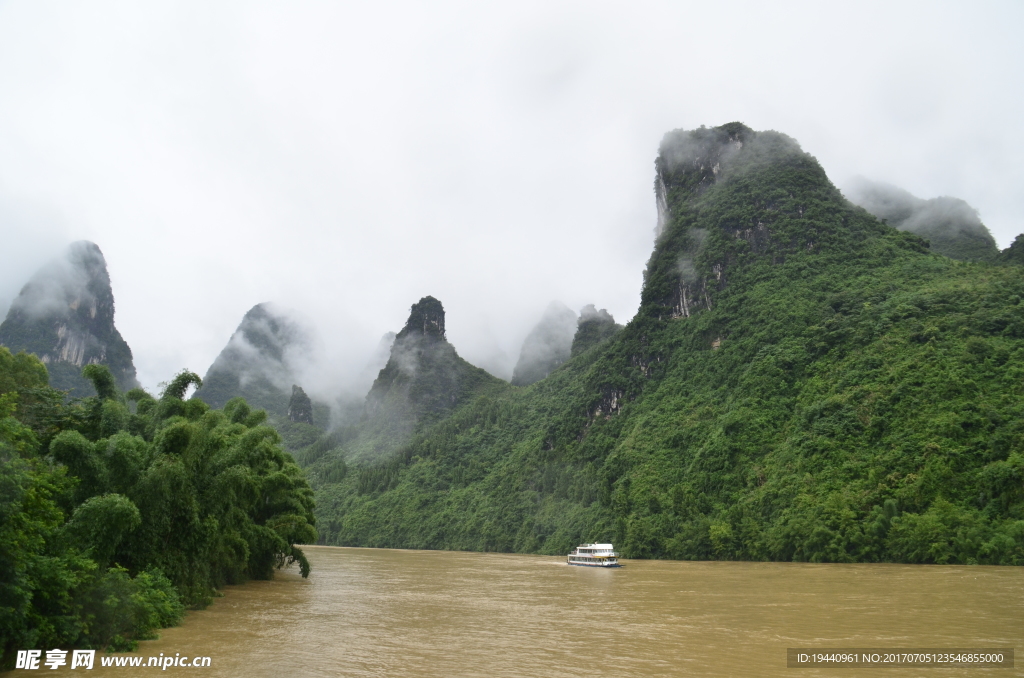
(801, 382)
(593, 328)
(118, 511)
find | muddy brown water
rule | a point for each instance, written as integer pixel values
(379, 612)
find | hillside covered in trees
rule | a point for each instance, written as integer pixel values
(119, 510)
(802, 382)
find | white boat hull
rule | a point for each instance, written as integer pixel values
(616, 564)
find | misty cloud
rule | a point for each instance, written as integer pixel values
(65, 283)
(380, 356)
(405, 353)
(590, 314)
(270, 352)
(342, 160)
(702, 149)
(952, 227)
(691, 249)
(548, 345)
(697, 149)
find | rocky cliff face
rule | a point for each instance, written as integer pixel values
(951, 226)
(688, 164)
(426, 320)
(424, 378)
(300, 407)
(65, 315)
(729, 197)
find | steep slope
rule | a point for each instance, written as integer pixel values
(1014, 254)
(255, 363)
(592, 328)
(262, 361)
(950, 225)
(801, 382)
(65, 315)
(423, 381)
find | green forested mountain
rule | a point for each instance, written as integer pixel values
(801, 382)
(118, 510)
(65, 315)
(592, 328)
(1014, 254)
(950, 225)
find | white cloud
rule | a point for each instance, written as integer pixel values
(348, 159)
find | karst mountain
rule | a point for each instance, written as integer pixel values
(802, 381)
(65, 315)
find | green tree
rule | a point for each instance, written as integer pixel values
(113, 520)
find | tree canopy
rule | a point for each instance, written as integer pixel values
(118, 511)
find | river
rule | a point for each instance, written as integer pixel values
(379, 612)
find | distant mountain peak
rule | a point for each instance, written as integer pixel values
(593, 327)
(65, 315)
(424, 377)
(951, 226)
(259, 360)
(426, 318)
(548, 345)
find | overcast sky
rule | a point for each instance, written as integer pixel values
(346, 159)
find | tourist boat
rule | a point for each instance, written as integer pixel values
(594, 555)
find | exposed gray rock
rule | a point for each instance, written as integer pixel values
(65, 315)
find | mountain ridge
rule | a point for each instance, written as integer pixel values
(802, 381)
